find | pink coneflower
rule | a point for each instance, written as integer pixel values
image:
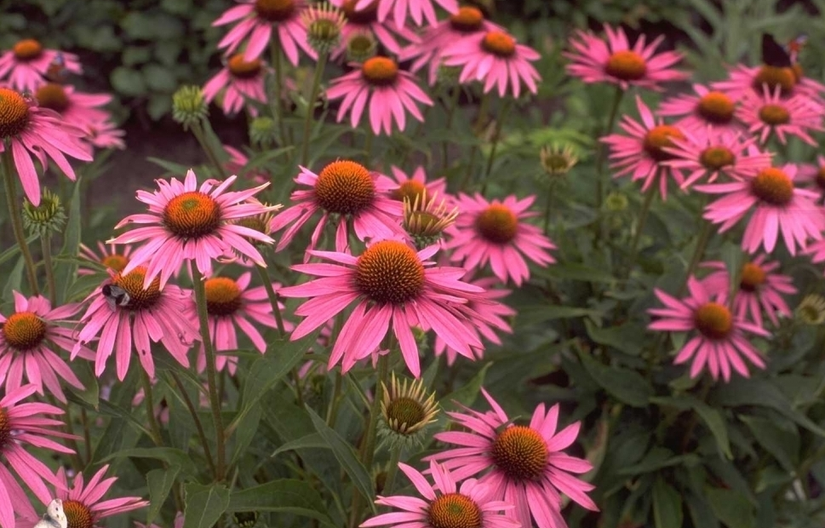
(192, 224)
(237, 163)
(760, 288)
(107, 256)
(745, 80)
(614, 61)
(417, 9)
(489, 318)
(642, 153)
(720, 343)
(77, 109)
(386, 91)
(257, 19)
(28, 129)
(83, 504)
(495, 232)
(144, 315)
(229, 304)
(410, 187)
(243, 82)
(26, 340)
(105, 135)
(27, 63)
(392, 284)
(348, 190)
(709, 153)
(813, 174)
(468, 20)
(777, 206)
(526, 462)
(771, 114)
(444, 503)
(20, 424)
(365, 22)
(708, 108)
(496, 59)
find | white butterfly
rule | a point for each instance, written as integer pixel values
(54, 517)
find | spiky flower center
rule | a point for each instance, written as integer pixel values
(26, 50)
(497, 224)
(14, 113)
(345, 187)
(626, 65)
(773, 186)
(78, 514)
(115, 262)
(714, 158)
(132, 283)
(820, 178)
(773, 77)
(410, 189)
(521, 453)
(5, 428)
(223, 296)
(467, 19)
(499, 44)
(365, 16)
(716, 107)
(454, 510)
(275, 10)
(380, 71)
(774, 114)
(192, 215)
(52, 95)
(24, 331)
(753, 276)
(405, 411)
(659, 137)
(242, 69)
(256, 223)
(390, 272)
(713, 320)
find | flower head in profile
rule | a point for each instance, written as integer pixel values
(104, 134)
(495, 232)
(24, 424)
(497, 60)
(760, 288)
(707, 154)
(384, 90)
(107, 255)
(778, 206)
(125, 313)
(527, 464)
(813, 174)
(595, 61)
(362, 29)
(426, 218)
(557, 160)
(29, 130)
(256, 21)
(191, 223)
(28, 62)
(229, 304)
(444, 504)
(407, 408)
(702, 109)
(746, 80)
(641, 153)
(83, 502)
(771, 114)
(242, 83)
(28, 337)
(391, 285)
(80, 110)
(348, 191)
(718, 339)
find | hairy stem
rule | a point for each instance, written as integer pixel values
(9, 175)
(46, 245)
(148, 398)
(316, 87)
(198, 425)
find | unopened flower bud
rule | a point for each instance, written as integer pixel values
(324, 24)
(361, 46)
(47, 217)
(189, 106)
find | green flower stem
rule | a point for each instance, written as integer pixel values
(148, 398)
(273, 298)
(87, 435)
(316, 87)
(46, 245)
(503, 111)
(335, 399)
(198, 425)
(200, 134)
(370, 137)
(451, 109)
(611, 121)
(77, 463)
(548, 206)
(214, 400)
(275, 99)
(698, 253)
(482, 117)
(392, 470)
(644, 212)
(9, 175)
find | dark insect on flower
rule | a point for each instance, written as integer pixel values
(115, 295)
(795, 45)
(773, 54)
(57, 71)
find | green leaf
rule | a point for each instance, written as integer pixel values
(14, 279)
(731, 508)
(346, 456)
(312, 440)
(712, 418)
(625, 385)
(171, 166)
(160, 482)
(245, 432)
(159, 79)
(468, 393)
(627, 337)
(576, 272)
(127, 81)
(284, 496)
(66, 272)
(83, 285)
(204, 504)
(14, 250)
(528, 315)
(91, 391)
(656, 459)
(170, 455)
(783, 444)
(667, 505)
